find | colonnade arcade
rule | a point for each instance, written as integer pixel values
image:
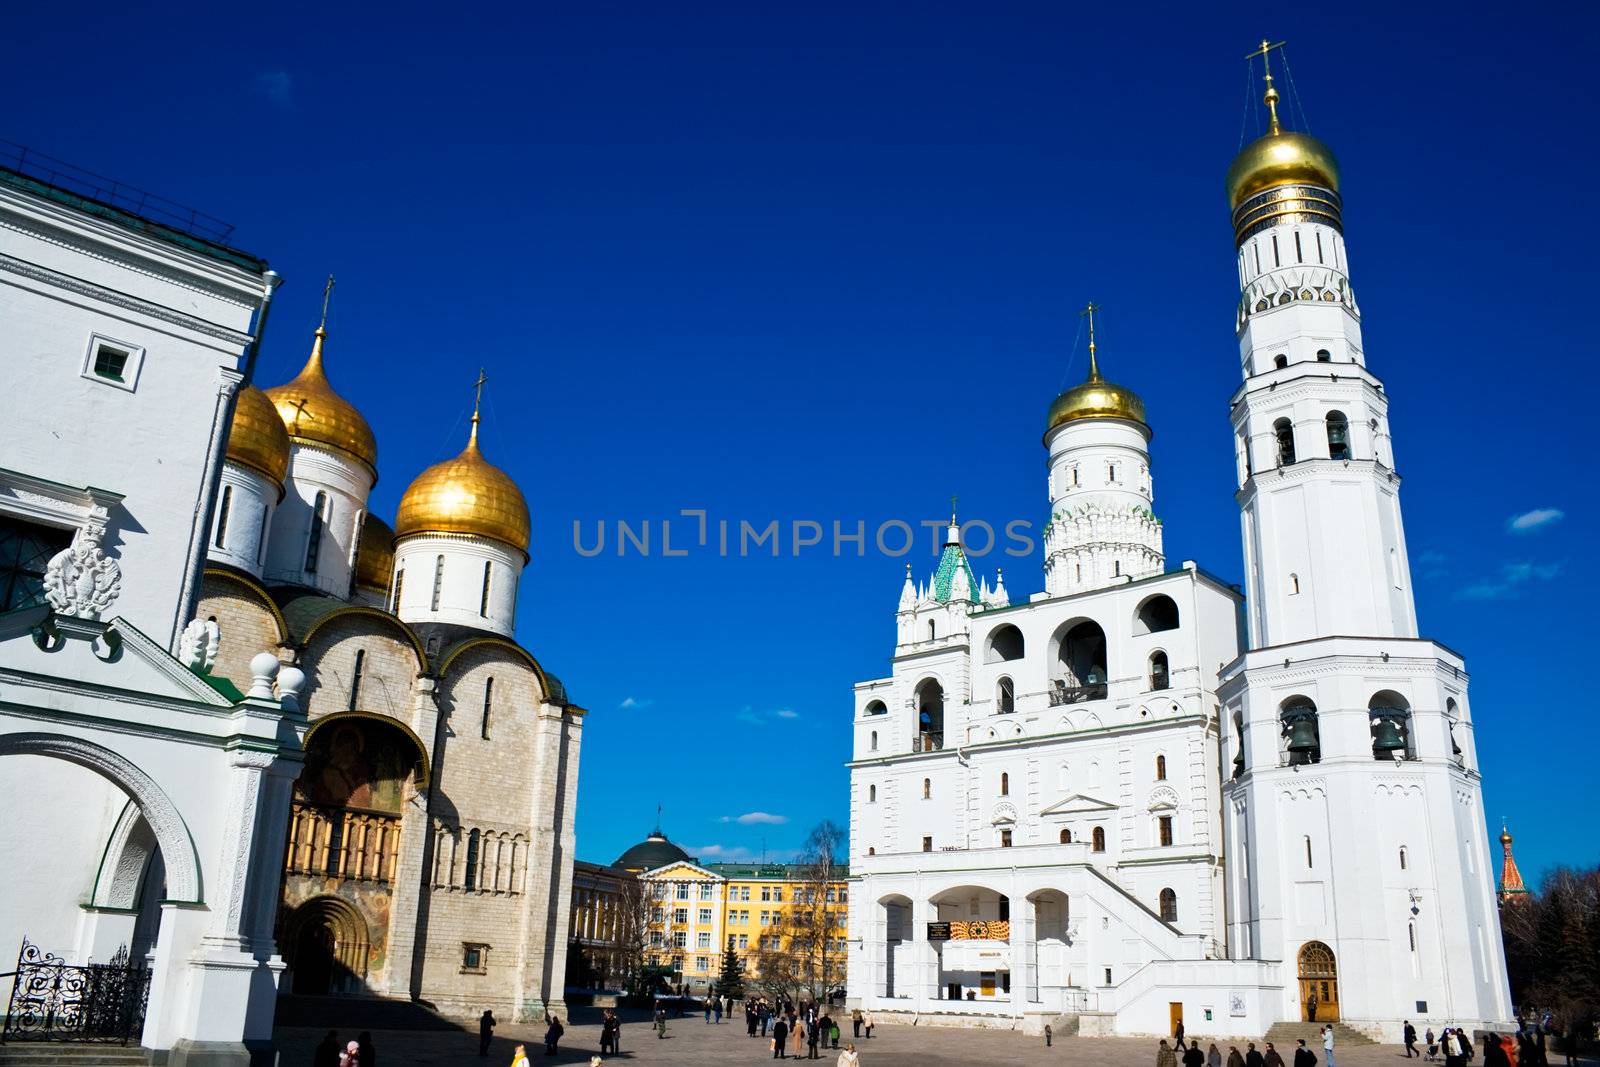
(972, 944)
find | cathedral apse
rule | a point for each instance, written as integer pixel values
(344, 845)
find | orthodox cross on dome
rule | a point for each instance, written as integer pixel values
(1271, 96)
(1094, 365)
(477, 403)
(327, 298)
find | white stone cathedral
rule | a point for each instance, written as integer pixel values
(1141, 797)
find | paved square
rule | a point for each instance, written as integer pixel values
(692, 1043)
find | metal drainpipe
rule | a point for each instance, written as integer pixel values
(206, 502)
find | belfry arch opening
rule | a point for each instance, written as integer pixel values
(930, 716)
(1078, 666)
(1005, 644)
(1156, 614)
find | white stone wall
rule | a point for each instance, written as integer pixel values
(242, 518)
(343, 483)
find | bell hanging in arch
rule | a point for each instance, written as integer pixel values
(1300, 727)
(1388, 736)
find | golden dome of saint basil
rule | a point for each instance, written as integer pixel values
(465, 495)
(256, 437)
(315, 414)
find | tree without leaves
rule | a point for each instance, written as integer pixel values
(633, 931)
(817, 919)
(1552, 941)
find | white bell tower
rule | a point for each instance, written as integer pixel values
(1356, 848)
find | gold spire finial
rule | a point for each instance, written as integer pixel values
(327, 297)
(1094, 363)
(315, 362)
(952, 509)
(477, 404)
(1270, 98)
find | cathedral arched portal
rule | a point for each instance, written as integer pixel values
(327, 947)
(1319, 984)
(343, 855)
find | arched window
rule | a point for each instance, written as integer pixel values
(930, 716)
(1099, 839)
(222, 515)
(1298, 716)
(933, 629)
(1156, 615)
(1338, 435)
(483, 600)
(1005, 644)
(1402, 857)
(872, 742)
(927, 788)
(1005, 697)
(1283, 430)
(488, 707)
(1294, 585)
(399, 584)
(1309, 863)
(1161, 768)
(1066, 836)
(355, 678)
(319, 515)
(1323, 355)
(1280, 361)
(1005, 784)
(473, 843)
(1158, 671)
(877, 707)
(872, 794)
(438, 581)
(1169, 906)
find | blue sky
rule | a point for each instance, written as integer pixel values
(824, 262)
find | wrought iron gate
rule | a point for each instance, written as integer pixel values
(52, 1000)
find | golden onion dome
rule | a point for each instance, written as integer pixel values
(375, 554)
(1096, 398)
(315, 414)
(1282, 157)
(256, 437)
(465, 495)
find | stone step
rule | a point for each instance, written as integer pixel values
(1285, 1034)
(61, 1054)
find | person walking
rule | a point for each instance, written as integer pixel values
(1193, 1056)
(855, 1023)
(867, 1023)
(1165, 1056)
(1327, 1044)
(813, 1034)
(1494, 1053)
(1252, 1058)
(1177, 1036)
(765, 1011)
(1409, 1035)
(849, 1057)
(716, 1010)
(369, 1054)
(552, 1035)
(661, 1023)
(1304, 1057)
(326, 1053)
(605, 1032)
(1213, 1056)
(707, 1004)
(485, 1032)
(1271, 1057)
(1235, 1058)
(780, 1037)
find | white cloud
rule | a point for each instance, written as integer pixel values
(635, 702)
(736, 854)
(1512, 577)
(765, 818)
(277, 86)
(758, 717)
(787, 713)
(1537, 519)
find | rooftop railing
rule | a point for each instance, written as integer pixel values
(66, 177)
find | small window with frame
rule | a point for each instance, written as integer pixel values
(112, 362)
(474, 958)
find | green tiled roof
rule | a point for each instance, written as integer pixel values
(952, 562)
